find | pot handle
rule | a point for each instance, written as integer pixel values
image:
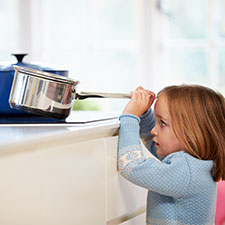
(84, 95)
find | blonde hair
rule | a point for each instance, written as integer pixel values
(197, 117)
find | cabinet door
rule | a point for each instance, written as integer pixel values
(123, 197)
(54, 185)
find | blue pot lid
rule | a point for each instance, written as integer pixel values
(19, 57)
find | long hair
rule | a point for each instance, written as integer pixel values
(197, 117)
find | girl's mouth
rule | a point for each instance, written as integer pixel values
(156, 144)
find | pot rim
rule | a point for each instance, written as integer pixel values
(45, 75)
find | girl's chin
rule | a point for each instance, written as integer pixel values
(159, 153)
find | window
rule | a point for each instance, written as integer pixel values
(114, 45)
(97, 41)
(192, 42)
(9, 26)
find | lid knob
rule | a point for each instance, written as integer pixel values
(19, 57)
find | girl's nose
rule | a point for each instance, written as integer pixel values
(154, 131)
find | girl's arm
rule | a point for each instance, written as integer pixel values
(146, 124)
(170, 177)
(141, 100)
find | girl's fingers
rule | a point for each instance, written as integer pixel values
(152, 98)
(141, 100)
(139, 88)
(143, 95)
(150, 93)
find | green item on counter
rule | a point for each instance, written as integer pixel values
(86, 104)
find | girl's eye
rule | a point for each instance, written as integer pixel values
(162, 123)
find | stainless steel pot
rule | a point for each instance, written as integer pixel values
(6, 79)
(47, 94)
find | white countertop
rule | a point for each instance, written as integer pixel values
(21, 137)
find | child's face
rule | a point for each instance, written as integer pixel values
(164, 137)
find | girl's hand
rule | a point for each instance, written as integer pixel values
(141, 100)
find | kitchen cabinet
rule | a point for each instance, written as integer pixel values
(123, 197)
(65, 175)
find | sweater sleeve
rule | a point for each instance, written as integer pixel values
(146, 124)
(169, 177)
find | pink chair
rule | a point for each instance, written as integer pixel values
(220, 204)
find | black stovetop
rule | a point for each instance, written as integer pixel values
(77, 117)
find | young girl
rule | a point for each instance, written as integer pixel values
(187, 135)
